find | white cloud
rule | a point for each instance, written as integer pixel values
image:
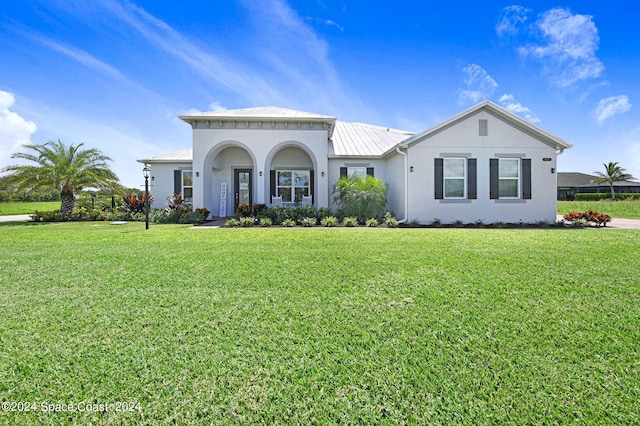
(15, 131)
(567, 47)
(327, 22)
(608, 107)
(508, 101)
(510, 19)
(216, 106)
(479, 84)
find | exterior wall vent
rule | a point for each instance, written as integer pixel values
(484, 127)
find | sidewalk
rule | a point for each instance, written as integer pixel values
(16, 218)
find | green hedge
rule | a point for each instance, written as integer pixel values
(596, 196)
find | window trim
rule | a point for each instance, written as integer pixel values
(464, 178)
(293, 187)
(518, 178)
(183, 186)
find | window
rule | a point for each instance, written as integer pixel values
(356, 171)
(360, 172)
(183, 184)
(454, 177)
(509, 177)
(187, 186)
(292, 185)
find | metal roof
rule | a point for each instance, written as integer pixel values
(268, 112)
(571, 179)
(364, 140)
(185, 155)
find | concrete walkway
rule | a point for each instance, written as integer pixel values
(15, 218)
(618, 223)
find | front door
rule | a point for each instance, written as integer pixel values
(242, 188)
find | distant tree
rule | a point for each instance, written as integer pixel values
(613, 173)
(66, 168)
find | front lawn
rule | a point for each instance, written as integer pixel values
(319, 325)
(14, 208)
(627, 209)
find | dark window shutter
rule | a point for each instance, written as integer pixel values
(494, 179)
(312, 186)
(370, 171)
(272, 183)
(343, 172)
(177, 181)
(472, 178)
(526, 178)
(438, 168)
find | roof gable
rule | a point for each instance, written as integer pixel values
(500, 113)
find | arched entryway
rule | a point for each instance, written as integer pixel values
(229, 179)
(292, 176)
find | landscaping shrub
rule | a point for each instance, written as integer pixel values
(191, 217)
(361, 197)
(371, 223)
(247, 222)
(390, 221)
(265, 222)
(232, 222)
(244, 210)
(329, 221)
(323, 212)
(580, 219)
(289, 223)
(133, 203)
(308, 222)
(258, 208)
(176, 203)
(350, 221)
(204, 212)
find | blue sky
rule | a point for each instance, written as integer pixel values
(115, 74)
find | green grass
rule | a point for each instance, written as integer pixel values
(14, 208)
(321, 325)
(628, 209)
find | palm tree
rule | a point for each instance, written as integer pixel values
(613, 173)
(67, 169)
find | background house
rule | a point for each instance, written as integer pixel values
(572, 183)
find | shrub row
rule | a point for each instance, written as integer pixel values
(155, 216)
(597, 196)
(307, 221)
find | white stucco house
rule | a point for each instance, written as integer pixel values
(485, 163)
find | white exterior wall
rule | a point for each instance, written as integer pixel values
(161, 182)
(217, 152)
(395, 178)
(502, 139)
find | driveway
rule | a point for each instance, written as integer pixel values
(619, 223)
